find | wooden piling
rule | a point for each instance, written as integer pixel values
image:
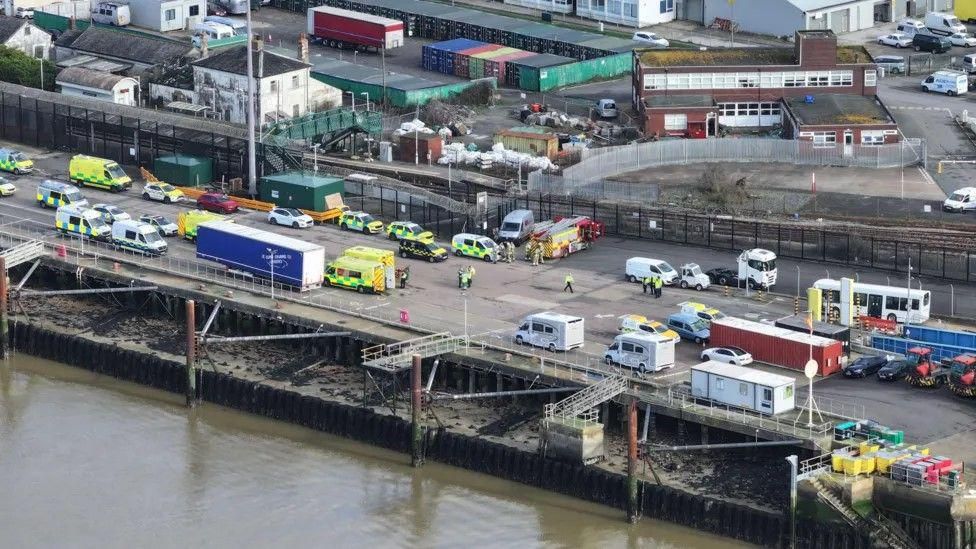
(416, 433)
(191, 353)
(632, 507)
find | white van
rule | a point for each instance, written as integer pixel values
(910, 27)
(639, 267)
(138, 236)
(641, 352)
(961, 200)
(943, 23)
(552, 331)
(967, 64)
(606, 108)
(947, 82)
(516, 226)
(213, 31)
(111, 13)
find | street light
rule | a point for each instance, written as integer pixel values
(367, 99)
(315, 157)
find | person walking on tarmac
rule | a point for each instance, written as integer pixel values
(647, 282)
(465, 280)
(658, 284)
(569, 283)
(536, 255)
(404, 276)
(470, 275)
(510, 252)
(460, 278)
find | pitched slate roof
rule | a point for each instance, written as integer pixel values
(9, 26)
(234, 60)
(124, 45)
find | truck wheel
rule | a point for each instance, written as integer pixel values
(403, 254)
(698, 341)
(723, 281)
(684, 285)
(632, 278)
(360, 289)
(430, 259)
(552, 347)
(642, 368)
(518, 340)
(892, 318)
(699, 287)
(608, 360)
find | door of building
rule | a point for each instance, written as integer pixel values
(848, 142)
(874, 305)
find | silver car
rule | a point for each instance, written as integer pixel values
(892, 64)
(110, 214)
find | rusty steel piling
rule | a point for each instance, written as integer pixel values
(191, 353)
(632, 507)
(416, 430)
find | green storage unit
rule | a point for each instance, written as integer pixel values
(298, 189)
(184, 170)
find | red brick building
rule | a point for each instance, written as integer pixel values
(815, 90)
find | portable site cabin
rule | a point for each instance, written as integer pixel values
(743, 387)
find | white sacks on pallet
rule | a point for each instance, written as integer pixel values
(456, 153)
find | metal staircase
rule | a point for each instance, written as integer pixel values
(22, 253)
(583, 402)
(882, 531)
(397, 356)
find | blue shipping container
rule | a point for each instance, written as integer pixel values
(440, 56)
(901, 346)
(262, 254)
(965, 340)
(456, 45)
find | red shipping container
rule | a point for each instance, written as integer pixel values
(463, 58)
(496, 67)
(777, 346)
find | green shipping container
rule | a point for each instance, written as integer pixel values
(300, 189)
(184, 170)
(557, 76)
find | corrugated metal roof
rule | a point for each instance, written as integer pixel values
(741, 373)
(370, 75)
(90, 79)
(769, 329)
(544, 60)
(274, 239)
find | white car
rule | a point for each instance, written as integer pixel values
(24, 13)
(651, 39)
(290, 217)
(110, 214)
(897, 39)
(163, 192)
(963, 39)
(6, 188)
(729, 355)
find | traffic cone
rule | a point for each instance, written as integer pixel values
(116, 267)
(62, 251)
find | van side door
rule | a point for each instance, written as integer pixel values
(627, 357)
(537, 335)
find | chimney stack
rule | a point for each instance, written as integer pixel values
(303, 47)
(71, 23)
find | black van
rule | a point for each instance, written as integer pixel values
(422, 250)
(934, 44)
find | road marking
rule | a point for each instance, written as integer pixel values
(926, 176)
(370, 308)
(902, 108)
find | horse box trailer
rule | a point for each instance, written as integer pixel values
(743, 387)
(552, 331)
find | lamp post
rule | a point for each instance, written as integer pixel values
(793, 465)
(271, 261)
(315, 157)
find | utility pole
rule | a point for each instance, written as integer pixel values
(793, 464)
(252, 164)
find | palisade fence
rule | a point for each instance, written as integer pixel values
(598, 164)
(845, 247)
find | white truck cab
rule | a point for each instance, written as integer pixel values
(641, 352)
(947, 82)
(961, 200)
(138, 236)
(693, 277)
(551, 331)
(757, 267)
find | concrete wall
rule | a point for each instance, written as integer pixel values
(775, 17)
(31, 40)
(166, 94)
(273, 94)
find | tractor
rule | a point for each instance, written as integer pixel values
(962, 379)
(924, 372)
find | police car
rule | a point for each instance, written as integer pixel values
(163, 192)
(6, 188)
(110, 214)
(408, 230)
(359, 221)
(419, 249)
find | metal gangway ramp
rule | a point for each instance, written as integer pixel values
(584, 402)
(22, 253)
(394, 357)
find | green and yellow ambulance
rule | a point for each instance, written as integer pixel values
(186, 222)
(15, 161)
(359, 221)
(101, 173)
(361, 275)
(408, 230)
(476, 246)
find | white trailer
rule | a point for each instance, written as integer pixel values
(743, 387)
(552, 331)
(641, 352)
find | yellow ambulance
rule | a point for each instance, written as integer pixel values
(186, 222)
(361, 275)
(101, 173)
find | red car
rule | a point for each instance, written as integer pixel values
(216, 202)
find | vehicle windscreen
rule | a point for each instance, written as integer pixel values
(717, 315)
(163, 221)
(660, 328)
(699, 325)
(958, 197)
(167, 188)
(489, 244)
(115, 171)
(768, 265)
(292, 212)
(152, 236)
(368, 219)
(18, 157)
(511, 226)
(666, 268)
(695, 271)
(74, 196)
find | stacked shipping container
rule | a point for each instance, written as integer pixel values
(517, 68)
(777, 346)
